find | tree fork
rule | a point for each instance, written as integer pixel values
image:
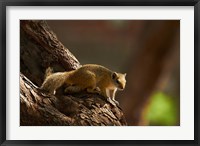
(39, 49)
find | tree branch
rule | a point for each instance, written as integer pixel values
(39, 49)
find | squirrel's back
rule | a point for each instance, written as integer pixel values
(83, 74)
(91, 77)
(97, 69)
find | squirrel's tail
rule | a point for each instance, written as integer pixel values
(48, 72)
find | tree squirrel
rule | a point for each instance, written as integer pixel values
(90, 77)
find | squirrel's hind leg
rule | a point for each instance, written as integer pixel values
(94, 90)
(73, 89)
(76, 89)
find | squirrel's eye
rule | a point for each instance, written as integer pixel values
(118, 82)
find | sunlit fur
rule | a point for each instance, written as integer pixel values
(119, 80)
(90, 77)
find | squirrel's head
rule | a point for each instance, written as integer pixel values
(119, 80)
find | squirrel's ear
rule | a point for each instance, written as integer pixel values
(114, 75)
(125, 74)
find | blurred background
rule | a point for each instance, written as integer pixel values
(147, 50)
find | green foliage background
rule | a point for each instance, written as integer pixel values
(162, 110)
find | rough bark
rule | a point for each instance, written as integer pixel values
(39, 109)
(39, 49)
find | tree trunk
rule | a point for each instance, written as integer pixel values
(39, 49)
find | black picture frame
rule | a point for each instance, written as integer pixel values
(5, 3)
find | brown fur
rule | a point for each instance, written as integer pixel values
(91, 77)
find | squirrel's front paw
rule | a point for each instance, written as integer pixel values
(111, 101)
(116, 102)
